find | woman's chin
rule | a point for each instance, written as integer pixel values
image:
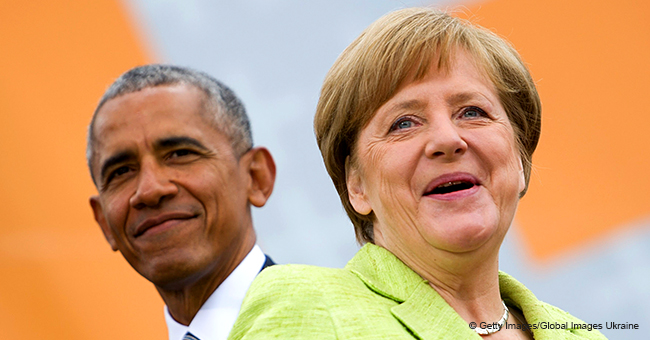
(462, 237)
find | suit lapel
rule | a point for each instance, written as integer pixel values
(267, 262)
(420, 308)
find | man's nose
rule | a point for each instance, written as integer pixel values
(445, 141)
(154, 186)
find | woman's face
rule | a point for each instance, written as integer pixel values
(438, 163)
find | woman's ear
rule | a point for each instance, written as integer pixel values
(98, 212)
(522, 176)
(262, 174)
(356, 191)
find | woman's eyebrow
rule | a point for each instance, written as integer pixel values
(463, 97)
(409, 105)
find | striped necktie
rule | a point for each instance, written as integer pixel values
(190, 336)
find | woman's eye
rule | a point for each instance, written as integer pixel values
(403, 123)
(473, 112)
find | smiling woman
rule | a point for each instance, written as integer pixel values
(427, 126)
(450, 178)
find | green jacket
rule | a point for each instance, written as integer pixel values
(375, 296)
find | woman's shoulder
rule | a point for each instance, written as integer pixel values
(293, 300)
(299, 270)
(291, 279)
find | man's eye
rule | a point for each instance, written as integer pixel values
(473, 112)
(118, 172)
(122, 171)
(181, 153)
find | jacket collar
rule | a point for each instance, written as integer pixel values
(384, 273)
(428, 316)
(420, 308)
(536, 312)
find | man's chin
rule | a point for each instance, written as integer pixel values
(171, 272)
(171, 280)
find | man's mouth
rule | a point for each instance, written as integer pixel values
(158, 220)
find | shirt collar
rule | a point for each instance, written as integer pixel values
(219, 312)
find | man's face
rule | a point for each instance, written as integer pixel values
(173, 196)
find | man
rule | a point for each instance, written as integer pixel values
(170, 152)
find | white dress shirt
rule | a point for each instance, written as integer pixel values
(218, 314)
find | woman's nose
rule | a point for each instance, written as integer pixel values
(445, 141)
(154, 186)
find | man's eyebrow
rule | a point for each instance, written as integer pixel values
(171, 142)
(118, 158)
(164, 143)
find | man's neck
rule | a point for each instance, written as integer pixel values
(184, 303)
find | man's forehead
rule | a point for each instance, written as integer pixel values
(175, 104)
(155, 98)
(154, 113)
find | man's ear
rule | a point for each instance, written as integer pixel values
(356, 191)
(262, 172)
(98, 211)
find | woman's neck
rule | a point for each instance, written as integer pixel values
(468, 281)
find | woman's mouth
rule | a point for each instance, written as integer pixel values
(452, 186)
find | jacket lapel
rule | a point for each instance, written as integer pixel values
(428, 316)
(537, 313)
(420, 308)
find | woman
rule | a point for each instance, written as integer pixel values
(427, 126)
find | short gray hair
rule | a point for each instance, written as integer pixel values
(228, 110)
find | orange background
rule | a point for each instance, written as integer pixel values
(60, 281)
(59, 278)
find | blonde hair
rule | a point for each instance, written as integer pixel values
(370, 70)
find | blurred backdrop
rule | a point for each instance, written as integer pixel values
(581, 239)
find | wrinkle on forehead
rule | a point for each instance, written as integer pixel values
(113, 115)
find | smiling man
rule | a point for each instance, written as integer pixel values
(171, 154)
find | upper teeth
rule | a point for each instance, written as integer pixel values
(449, 184)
